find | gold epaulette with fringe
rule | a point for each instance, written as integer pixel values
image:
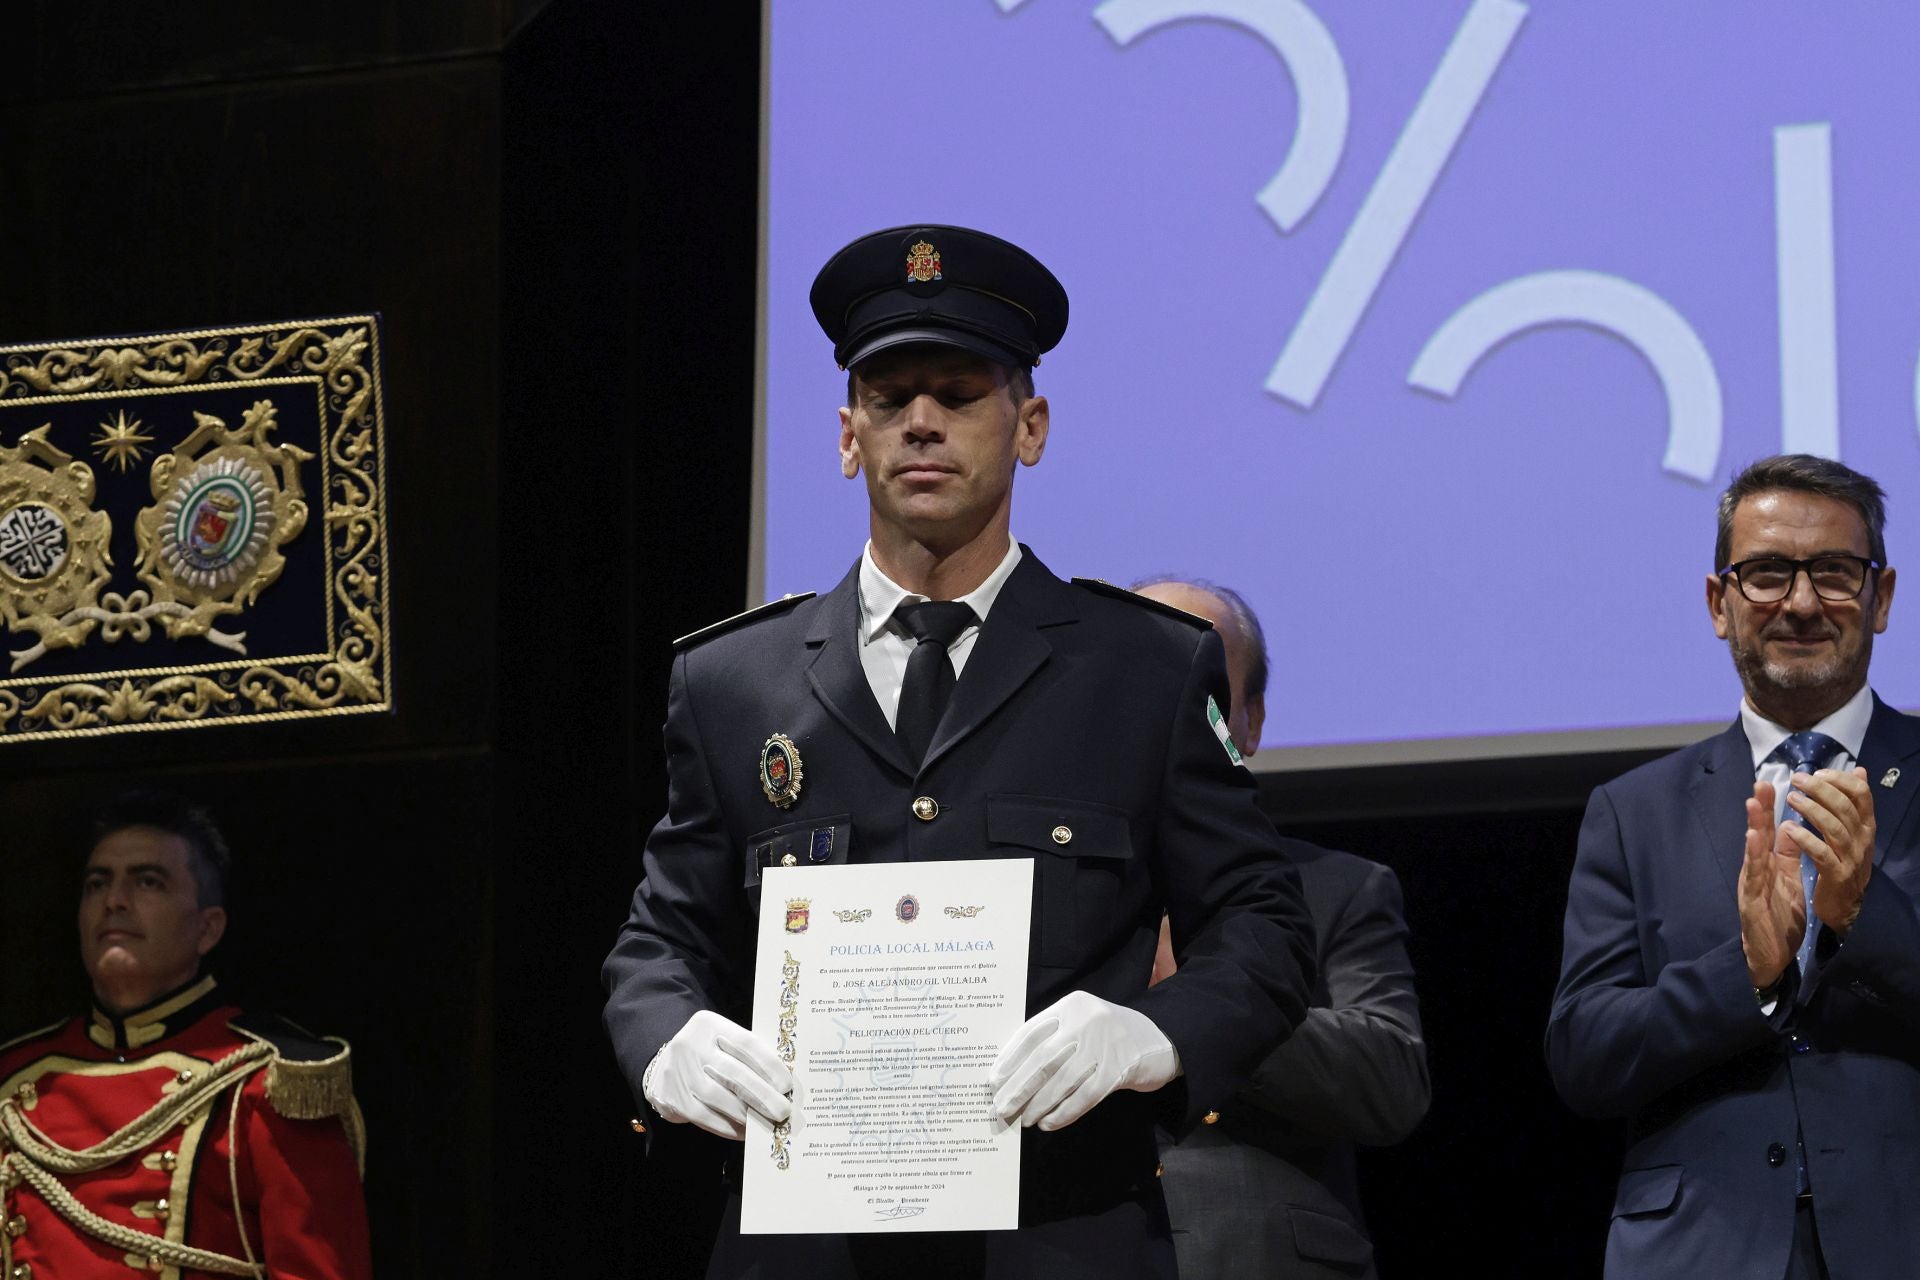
(316, 1090)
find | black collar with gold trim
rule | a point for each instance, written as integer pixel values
(172, 1012)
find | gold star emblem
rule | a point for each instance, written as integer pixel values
(119, 442)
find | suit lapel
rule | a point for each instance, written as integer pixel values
(1892, 742)
(1010, 649)
(1720, 790)
(837, 677)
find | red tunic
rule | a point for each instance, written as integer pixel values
(294, 1184)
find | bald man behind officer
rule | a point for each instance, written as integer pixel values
(826, 725)
(1269, 1188)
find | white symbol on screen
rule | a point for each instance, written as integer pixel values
(1622, 308)
(1312, 59)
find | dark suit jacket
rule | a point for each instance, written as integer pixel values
(1079, 706)
(1269, 1190)
(1655, 1020)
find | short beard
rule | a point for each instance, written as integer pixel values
(1756, 672)
(1805, 685)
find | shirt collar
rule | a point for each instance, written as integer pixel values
(154, 1021)
(881, 595)
(1847, 726)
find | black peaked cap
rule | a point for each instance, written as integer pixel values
(932, 283)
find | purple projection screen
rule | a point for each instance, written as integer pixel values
(1433, 328)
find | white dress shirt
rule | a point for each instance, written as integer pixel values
(885, 645)
(1847, 726)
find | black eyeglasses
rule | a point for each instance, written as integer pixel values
(1769, 579)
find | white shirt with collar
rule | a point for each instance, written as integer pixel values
(885, 645)
(1847, 726)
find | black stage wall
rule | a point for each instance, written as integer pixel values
(554, 207)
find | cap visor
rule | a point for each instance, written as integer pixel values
(939, 337)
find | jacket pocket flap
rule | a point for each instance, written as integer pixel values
(1071, 828)
(1647, 1190)
(807, 843)
(1325, 1238)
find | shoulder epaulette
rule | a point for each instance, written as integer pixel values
(1146, 602)
(766, 610)
(310, 1077)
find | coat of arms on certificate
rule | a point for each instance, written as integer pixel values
(192, 529)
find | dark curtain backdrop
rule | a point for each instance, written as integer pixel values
(553, 207)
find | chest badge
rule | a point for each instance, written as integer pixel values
(780, 771)
(1890, 777)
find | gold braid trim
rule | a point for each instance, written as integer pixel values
(312, 1090)
(182, 1256)
(37, 1160)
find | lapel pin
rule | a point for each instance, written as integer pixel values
(780, 771)
(1890, 777)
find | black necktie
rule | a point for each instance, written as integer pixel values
(929, 680)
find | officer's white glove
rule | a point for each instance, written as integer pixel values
(1074, 1053)
(711, 1072)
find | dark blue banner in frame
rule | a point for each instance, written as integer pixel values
(192, 529)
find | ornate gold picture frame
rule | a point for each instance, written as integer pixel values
(193, 530)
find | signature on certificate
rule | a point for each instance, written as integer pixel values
(901, 1211)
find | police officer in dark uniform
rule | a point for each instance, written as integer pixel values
(953, 699)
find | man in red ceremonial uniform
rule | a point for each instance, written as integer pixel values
(169, 1132)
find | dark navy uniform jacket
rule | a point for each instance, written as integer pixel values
(1080, 706)
(1655, 1019)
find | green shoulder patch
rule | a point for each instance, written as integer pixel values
(1145, 602)
(1218, 723)
(767, 610)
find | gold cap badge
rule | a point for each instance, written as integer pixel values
(923, 263)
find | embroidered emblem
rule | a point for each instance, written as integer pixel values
(907, 910)
(923, 263)
(780, 771)
(797, 909)
(217, 524)
(226, 501)
(53, 547)
(33, 542)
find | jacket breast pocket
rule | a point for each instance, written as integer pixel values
(1647, 1191)
(1083, 853)
(814, 842)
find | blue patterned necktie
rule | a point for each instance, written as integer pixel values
(1804, 752)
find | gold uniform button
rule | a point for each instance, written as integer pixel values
(1062, 834)
(1212, 1117)
(926, 808)
(17, 1227)
(167, 1161)
(21, 1271)
(639, 1125)
(185, 1076)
